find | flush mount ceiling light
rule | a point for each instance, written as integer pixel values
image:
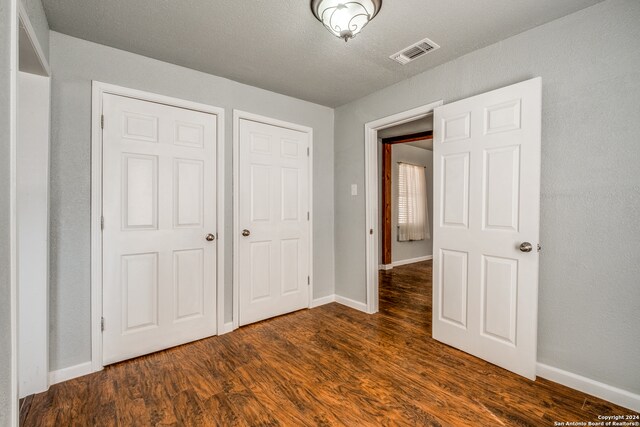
(345, 18)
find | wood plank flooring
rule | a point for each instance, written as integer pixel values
(329, 366)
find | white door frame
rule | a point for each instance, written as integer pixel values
(237, 116)
(13, 226)
(98, 90)
(371, 191)
(22, 31)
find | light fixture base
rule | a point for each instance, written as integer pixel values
(345, 18)
(316, 3)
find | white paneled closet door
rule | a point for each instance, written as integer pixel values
(274, 221)
(159, 208)
(486, 225)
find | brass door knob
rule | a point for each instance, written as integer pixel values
(526, 247)
(210, 237)
(246, 232)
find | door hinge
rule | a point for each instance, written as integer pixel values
(101, 223)
(371, 231)
(102, 324)
(308, 280)
(308, 216)
(308, 151)
(102, 121)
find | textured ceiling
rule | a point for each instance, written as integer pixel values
(278, 45)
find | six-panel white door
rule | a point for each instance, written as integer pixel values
(486, 210)
(273, 251)
(159, 192)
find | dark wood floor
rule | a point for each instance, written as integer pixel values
(328, 366)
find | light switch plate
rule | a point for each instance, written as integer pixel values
(354, 189)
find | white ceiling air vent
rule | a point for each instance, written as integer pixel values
(414, 51)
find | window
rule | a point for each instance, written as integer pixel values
(412, 203)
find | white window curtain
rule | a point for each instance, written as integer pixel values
(413, 220)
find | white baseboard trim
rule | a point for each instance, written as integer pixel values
(360, 306)
(66, 374)
(322, 301)
(226, 328)
(404, 262)
(411, 260)
(612, 394)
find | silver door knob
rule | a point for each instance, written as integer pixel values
(526, 247)
(245, 232)
(210, 237)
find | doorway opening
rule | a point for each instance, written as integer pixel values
(405, 156)
(372, 197)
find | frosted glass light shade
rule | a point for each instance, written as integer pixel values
(344, 18)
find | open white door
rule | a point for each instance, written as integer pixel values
(273, 214)
(159, 207)
(486, 225)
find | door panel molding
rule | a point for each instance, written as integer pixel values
(185, 135)
(259, 146)
(489, 218)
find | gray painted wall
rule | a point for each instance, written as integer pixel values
(417, 156)
(5, 284)
(74, 64)
(38, 20)
(590, 68)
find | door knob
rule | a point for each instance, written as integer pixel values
(210, 237)
(245, 232)
(526, 247)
